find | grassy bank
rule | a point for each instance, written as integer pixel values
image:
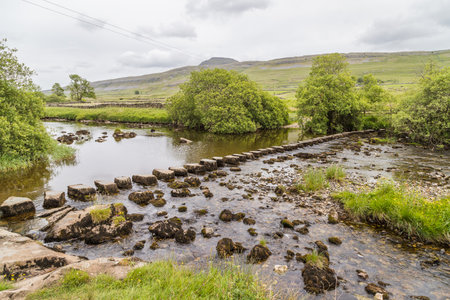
(115, 114)
(56, 153)
(401, 210)
(159, 280)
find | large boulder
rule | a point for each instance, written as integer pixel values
(226, 247)
(72, 225)
(145, 179)
(165, 229)
(15, 206)
(108, 232)
(165, 175)
(54, 199)
(107, 188)
(258, 254)
(81, 192)
(22, 257)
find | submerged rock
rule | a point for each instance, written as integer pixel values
(373, 289)
(185, 236)
(318, 280)
(139, 245)
(207, 232)
(54, 199)
(192, 181)
(335, 240)
(280, 269)
(226, 215)
(178, 185)
(165, 229)
(180, 193)
(226, 247)
(16, 206)
(287, 224)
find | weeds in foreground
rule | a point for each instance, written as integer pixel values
(159, 280)
(401, 210)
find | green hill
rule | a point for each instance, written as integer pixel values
(399, 71)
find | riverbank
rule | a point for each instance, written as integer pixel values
(113, 114)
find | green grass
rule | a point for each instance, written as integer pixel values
(115, 114)
(335, 172)
(404, 211)
(316, 259)
(159, 280)
(4, 285)
(57, 153)
(313, 180)
(263, 242)
(100, 214)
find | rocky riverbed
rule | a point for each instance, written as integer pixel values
(190, 216)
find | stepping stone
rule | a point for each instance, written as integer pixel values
(210, 164)
(249, 155)
(256, 153)
(219, 161)
(231, 160)
(105, 187)
(165, 175)
(81, 192)
(141, 198)
(241, 157)
(179, 171)
(195, 168)
(54, 199)
(145, 179)
(15, 206)
(123, 182)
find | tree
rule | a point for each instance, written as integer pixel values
(222, 101)
(372, 95)
(425, 117)
(80, 87)
(58, 90)
(327, 101)
(22, 134)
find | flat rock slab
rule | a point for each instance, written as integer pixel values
(123, 182)
(105, 187)
(21, 255)
(53, 199)
(81, 192)
(241, 157)
(219, 161)
(179, 171)
(145, 179)
(195, 168)
(256, 153)
(249, 155)
(210, 164)
(165, 175)
(15, 206)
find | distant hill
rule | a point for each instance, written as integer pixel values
(398, 71)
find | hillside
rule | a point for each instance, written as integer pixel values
(398, 71)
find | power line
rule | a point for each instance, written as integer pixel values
(130, 34)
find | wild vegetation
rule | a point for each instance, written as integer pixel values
(117, 114)
(222, 101)
(23, 138)
(79, 88)
(313, 180)
(159, 280)
(405, 211)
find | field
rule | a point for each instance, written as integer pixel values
(398, 71)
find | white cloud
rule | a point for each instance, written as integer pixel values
(152, 59)
(177, 29)
(210, 7)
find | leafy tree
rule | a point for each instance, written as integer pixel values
(222, 101)
(22, 134)
(58, 90)
(327, 101)
(372, 95)
(425, 117)
(80, 87)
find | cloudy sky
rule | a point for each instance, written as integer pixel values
(154, 35)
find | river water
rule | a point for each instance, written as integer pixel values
(381, 254)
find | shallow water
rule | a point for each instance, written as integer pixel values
(380, 253)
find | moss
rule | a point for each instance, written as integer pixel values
(287, 224)
(201, 212)
(117, 220)
(263, 242)
(100, 214)
(182, 208)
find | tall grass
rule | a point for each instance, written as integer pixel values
(159, 280)
(4, 285)
(313, 180)
(316, 259)
(116, 114)
(335, 172)
(407, 212)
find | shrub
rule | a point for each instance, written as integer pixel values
(327, 101)
(335, 172)
(222, 101)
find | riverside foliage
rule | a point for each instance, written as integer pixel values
(222, 101)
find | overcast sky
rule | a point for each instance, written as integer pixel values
(194, 30)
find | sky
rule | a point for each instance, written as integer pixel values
(161, 35)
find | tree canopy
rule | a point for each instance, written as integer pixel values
(327, 101)
(58, 90)
(222, 101)
(22, 134)
(425, 117)
(372, 95)
(80, 87)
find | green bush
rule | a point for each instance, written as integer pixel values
(327, 101)
(408, 212)
(222, 101)
(425, 117)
